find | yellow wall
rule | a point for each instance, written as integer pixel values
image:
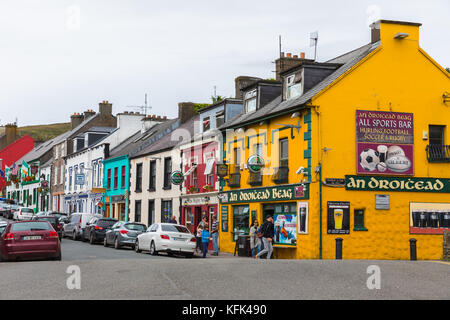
(399, 77)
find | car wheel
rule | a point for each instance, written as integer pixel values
(83, 237)
(170, 254)
(116, 244)
(58, 258)
(136, 247)
(91, 239)
(153, 251)
(74, 235)
(105, 244)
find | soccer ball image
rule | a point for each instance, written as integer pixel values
(369, 159)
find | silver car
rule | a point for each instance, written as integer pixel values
(123, 234)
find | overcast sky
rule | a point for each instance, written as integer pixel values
(63, 56)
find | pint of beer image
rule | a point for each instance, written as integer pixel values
(338, 217)
(382, 150)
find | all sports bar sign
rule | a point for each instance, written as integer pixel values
(375, 183)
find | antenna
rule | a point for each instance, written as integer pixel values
(143, 108)
(313, 39)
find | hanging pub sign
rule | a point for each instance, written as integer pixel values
(255, 163)
(384, 143)
(338, 214)
(375, 183)
(222, 169)
(34, 169)
(177, 177)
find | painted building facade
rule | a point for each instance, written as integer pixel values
(358, 159)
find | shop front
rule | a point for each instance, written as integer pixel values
(238, 210)
(116, 207)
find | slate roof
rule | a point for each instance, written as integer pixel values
(277, 106)
(166, 142)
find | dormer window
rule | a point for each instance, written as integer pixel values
(220, 118)
(250, 101)
(206, 124)
(294, 86)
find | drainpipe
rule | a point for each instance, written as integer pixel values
(320, 210)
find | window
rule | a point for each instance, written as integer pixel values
(359, 220)
(437, 151)
(108, 182)
(194, 178)
(137, 211)
(436, 135)
(166, 211)
(139, 177)
(116, 177)
(151, 211)
(206, 124)
(94, 174)
(237, 160)
(70, 179)
(294, 86)
(167, 172)
(100, 173)
(240, 221)
(284, 152)
(220, 118)
(250, 101)
(152, 182)
(258, 149)
(122, 181)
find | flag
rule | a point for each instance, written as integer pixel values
(2, 173)
(7, 172)
(25, 168)
(14, 169)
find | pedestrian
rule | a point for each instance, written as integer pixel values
(206, 236)
(255, 241)
(215, 235)
(267, 233)
(198, 236)
(173, 220)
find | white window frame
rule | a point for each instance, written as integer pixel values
(250, 97)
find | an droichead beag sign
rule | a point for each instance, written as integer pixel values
(384, 142)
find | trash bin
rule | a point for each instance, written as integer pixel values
(243, 246)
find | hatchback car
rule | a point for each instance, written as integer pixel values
(166, 237)
(76, 224)
(29, 239)
(23, 214)
(54, 221)
(10, 212)
(123, 234)
(96, 229)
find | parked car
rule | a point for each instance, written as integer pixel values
(96, 229)
(123, 234)
(12, 209)
(29, 239)
(166, 237)
(42, 213)
(58, 214)
(4, 208)
(75, 226)
(23, 214)
(3, 225)
(54, 221)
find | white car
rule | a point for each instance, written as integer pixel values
(166, 237)
(23, 214)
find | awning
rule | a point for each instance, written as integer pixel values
(209, 166)
(190, 170)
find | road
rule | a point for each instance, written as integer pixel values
(107, 273)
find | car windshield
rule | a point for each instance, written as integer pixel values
(174, 228)
(27, 210)
(135, 227)
(49, 219)
(105, 223)
(30, 226)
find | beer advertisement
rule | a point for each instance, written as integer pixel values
(338, 217)
(384, 143)
(303, 217)
(285, 229)
(429, 217)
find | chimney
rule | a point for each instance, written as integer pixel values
(10, 133)
(106, 151)
(105, 108)
(390, 32)
(284, 63)
(186, 110)
(242, 82)
(88, 113)
(75, 120)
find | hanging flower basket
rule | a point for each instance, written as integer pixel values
(208, 188)
(192, 189)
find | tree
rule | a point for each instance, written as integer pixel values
(217, 99)
(448, 70)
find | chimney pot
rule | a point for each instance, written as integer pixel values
(282, 54)
(288, 54)
(302, 55)
(295, 56)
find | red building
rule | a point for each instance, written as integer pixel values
(13, 152)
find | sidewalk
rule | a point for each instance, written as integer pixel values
(221, 255)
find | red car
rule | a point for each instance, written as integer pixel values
(29, 239)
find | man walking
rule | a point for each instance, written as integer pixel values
(267, 231)
(215, 235)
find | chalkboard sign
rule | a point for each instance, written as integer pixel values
(224, 218)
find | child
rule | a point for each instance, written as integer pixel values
(198, 236)
(206, 236)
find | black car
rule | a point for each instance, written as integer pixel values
(54, 221)
(96, 229)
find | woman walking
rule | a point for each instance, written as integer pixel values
(255, 241)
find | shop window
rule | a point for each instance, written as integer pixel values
(240, 221)
(359, 220)
(166, 211)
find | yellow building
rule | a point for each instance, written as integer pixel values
(355, 148)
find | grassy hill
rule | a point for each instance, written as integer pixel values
(41, 133)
